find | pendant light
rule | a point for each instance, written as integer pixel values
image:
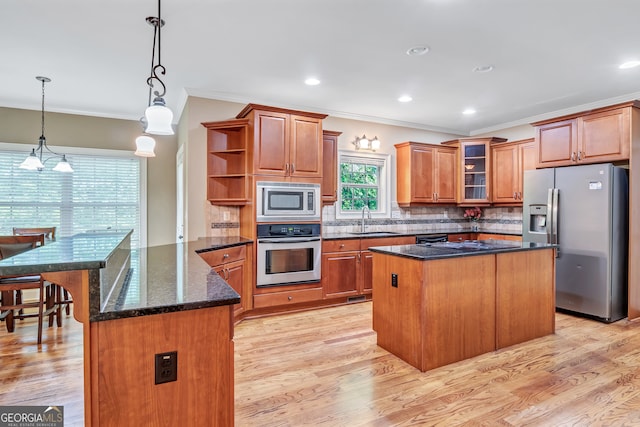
(157, 114)
(34, 160)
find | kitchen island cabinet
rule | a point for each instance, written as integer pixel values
(439, 304)
(134, 306)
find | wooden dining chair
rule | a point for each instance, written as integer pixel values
(63, 298)
(10, 309)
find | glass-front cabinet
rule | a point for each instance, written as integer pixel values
(474, 170)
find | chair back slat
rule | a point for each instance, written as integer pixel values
(49, 232)
(13, 245)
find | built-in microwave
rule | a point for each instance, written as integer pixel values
(287, 201)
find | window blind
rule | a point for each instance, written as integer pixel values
(103, 193)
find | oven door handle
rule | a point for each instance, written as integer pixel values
(289, 240)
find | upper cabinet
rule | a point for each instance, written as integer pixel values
(602, 135)
(509, 161)
(286, 143)
(474, 165)
(329, 166)
(426, 174)
(227, 164)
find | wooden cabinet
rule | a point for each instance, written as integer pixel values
(287, 297)
(329, 166)
(474, 169)
(286, 143)
(509, 161)
(602, 135)
(227, 167)
(460, 237)
(230, 264)
(347, 265)
(426, 174)
(489, 236)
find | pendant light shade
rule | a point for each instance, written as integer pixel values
(159, 118)
(145, 146)
(63, 166)
(32, 162)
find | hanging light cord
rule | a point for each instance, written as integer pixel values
(42, 142)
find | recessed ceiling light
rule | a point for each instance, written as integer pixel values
(405, 98)
(483, 69)
(629, 64)
(417, 50)
(469, 111)
(312, 81)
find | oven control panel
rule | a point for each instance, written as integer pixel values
(288, 230)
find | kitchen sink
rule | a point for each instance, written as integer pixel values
(377, 233)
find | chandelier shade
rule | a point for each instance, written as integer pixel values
(145, 146)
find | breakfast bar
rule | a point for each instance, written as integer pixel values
(439, 303)
(137, 306)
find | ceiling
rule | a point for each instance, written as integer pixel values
(550, 57)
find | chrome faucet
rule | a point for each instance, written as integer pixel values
(363, 226)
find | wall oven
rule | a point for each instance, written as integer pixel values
(288, 254)
(287, 201)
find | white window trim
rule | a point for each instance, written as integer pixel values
(26, 148)
(385, 184)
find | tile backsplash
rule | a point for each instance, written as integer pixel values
(225, 220)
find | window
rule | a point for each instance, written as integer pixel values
(105, 191)
(363, 181)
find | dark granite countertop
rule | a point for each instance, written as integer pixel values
(160, 279)
(373, 234)
(457, 249)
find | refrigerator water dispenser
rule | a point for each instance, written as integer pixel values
(538, 219)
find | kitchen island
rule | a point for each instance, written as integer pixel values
(135, 305)
(440, 303)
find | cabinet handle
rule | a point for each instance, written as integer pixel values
(290, 298)
(515, 195)
(580, 155)
(286, 168)
(573, 156)
(341, 245)
(225, 256)
(293, 168)
(358, 257)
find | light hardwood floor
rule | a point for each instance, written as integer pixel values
(323, 367)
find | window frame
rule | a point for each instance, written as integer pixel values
(384, 186)
(85, 151)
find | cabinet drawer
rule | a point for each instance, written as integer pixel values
(340, 245)
(222, 256)
(287, 297)
(489, 236)
(387, 241)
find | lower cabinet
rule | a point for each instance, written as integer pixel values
(488, 236)
(287, 297)
(347, 265)
(231, 265)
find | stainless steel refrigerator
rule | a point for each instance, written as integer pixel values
(583, 209)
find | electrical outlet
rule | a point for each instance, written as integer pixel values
(166, 367)
(395, 214)
(394, 280)
(445, 214)
(226, 216)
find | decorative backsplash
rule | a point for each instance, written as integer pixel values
(225, 220)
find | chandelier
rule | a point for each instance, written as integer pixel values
(34, 160)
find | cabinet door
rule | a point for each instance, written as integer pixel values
(422, 174)
(506, 171)
(233, 274)
(526, 161)
(271, 154)
(476, 173)
(445, 176)
(305, 149)
(366, 282)
(604, 136)
(340, 274)
(557, 143)
(329, 167)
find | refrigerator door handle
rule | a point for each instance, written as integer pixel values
(549, 219)
(554, 219)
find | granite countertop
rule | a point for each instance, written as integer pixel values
(374, 234)
(160, 279)
(441, 250)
